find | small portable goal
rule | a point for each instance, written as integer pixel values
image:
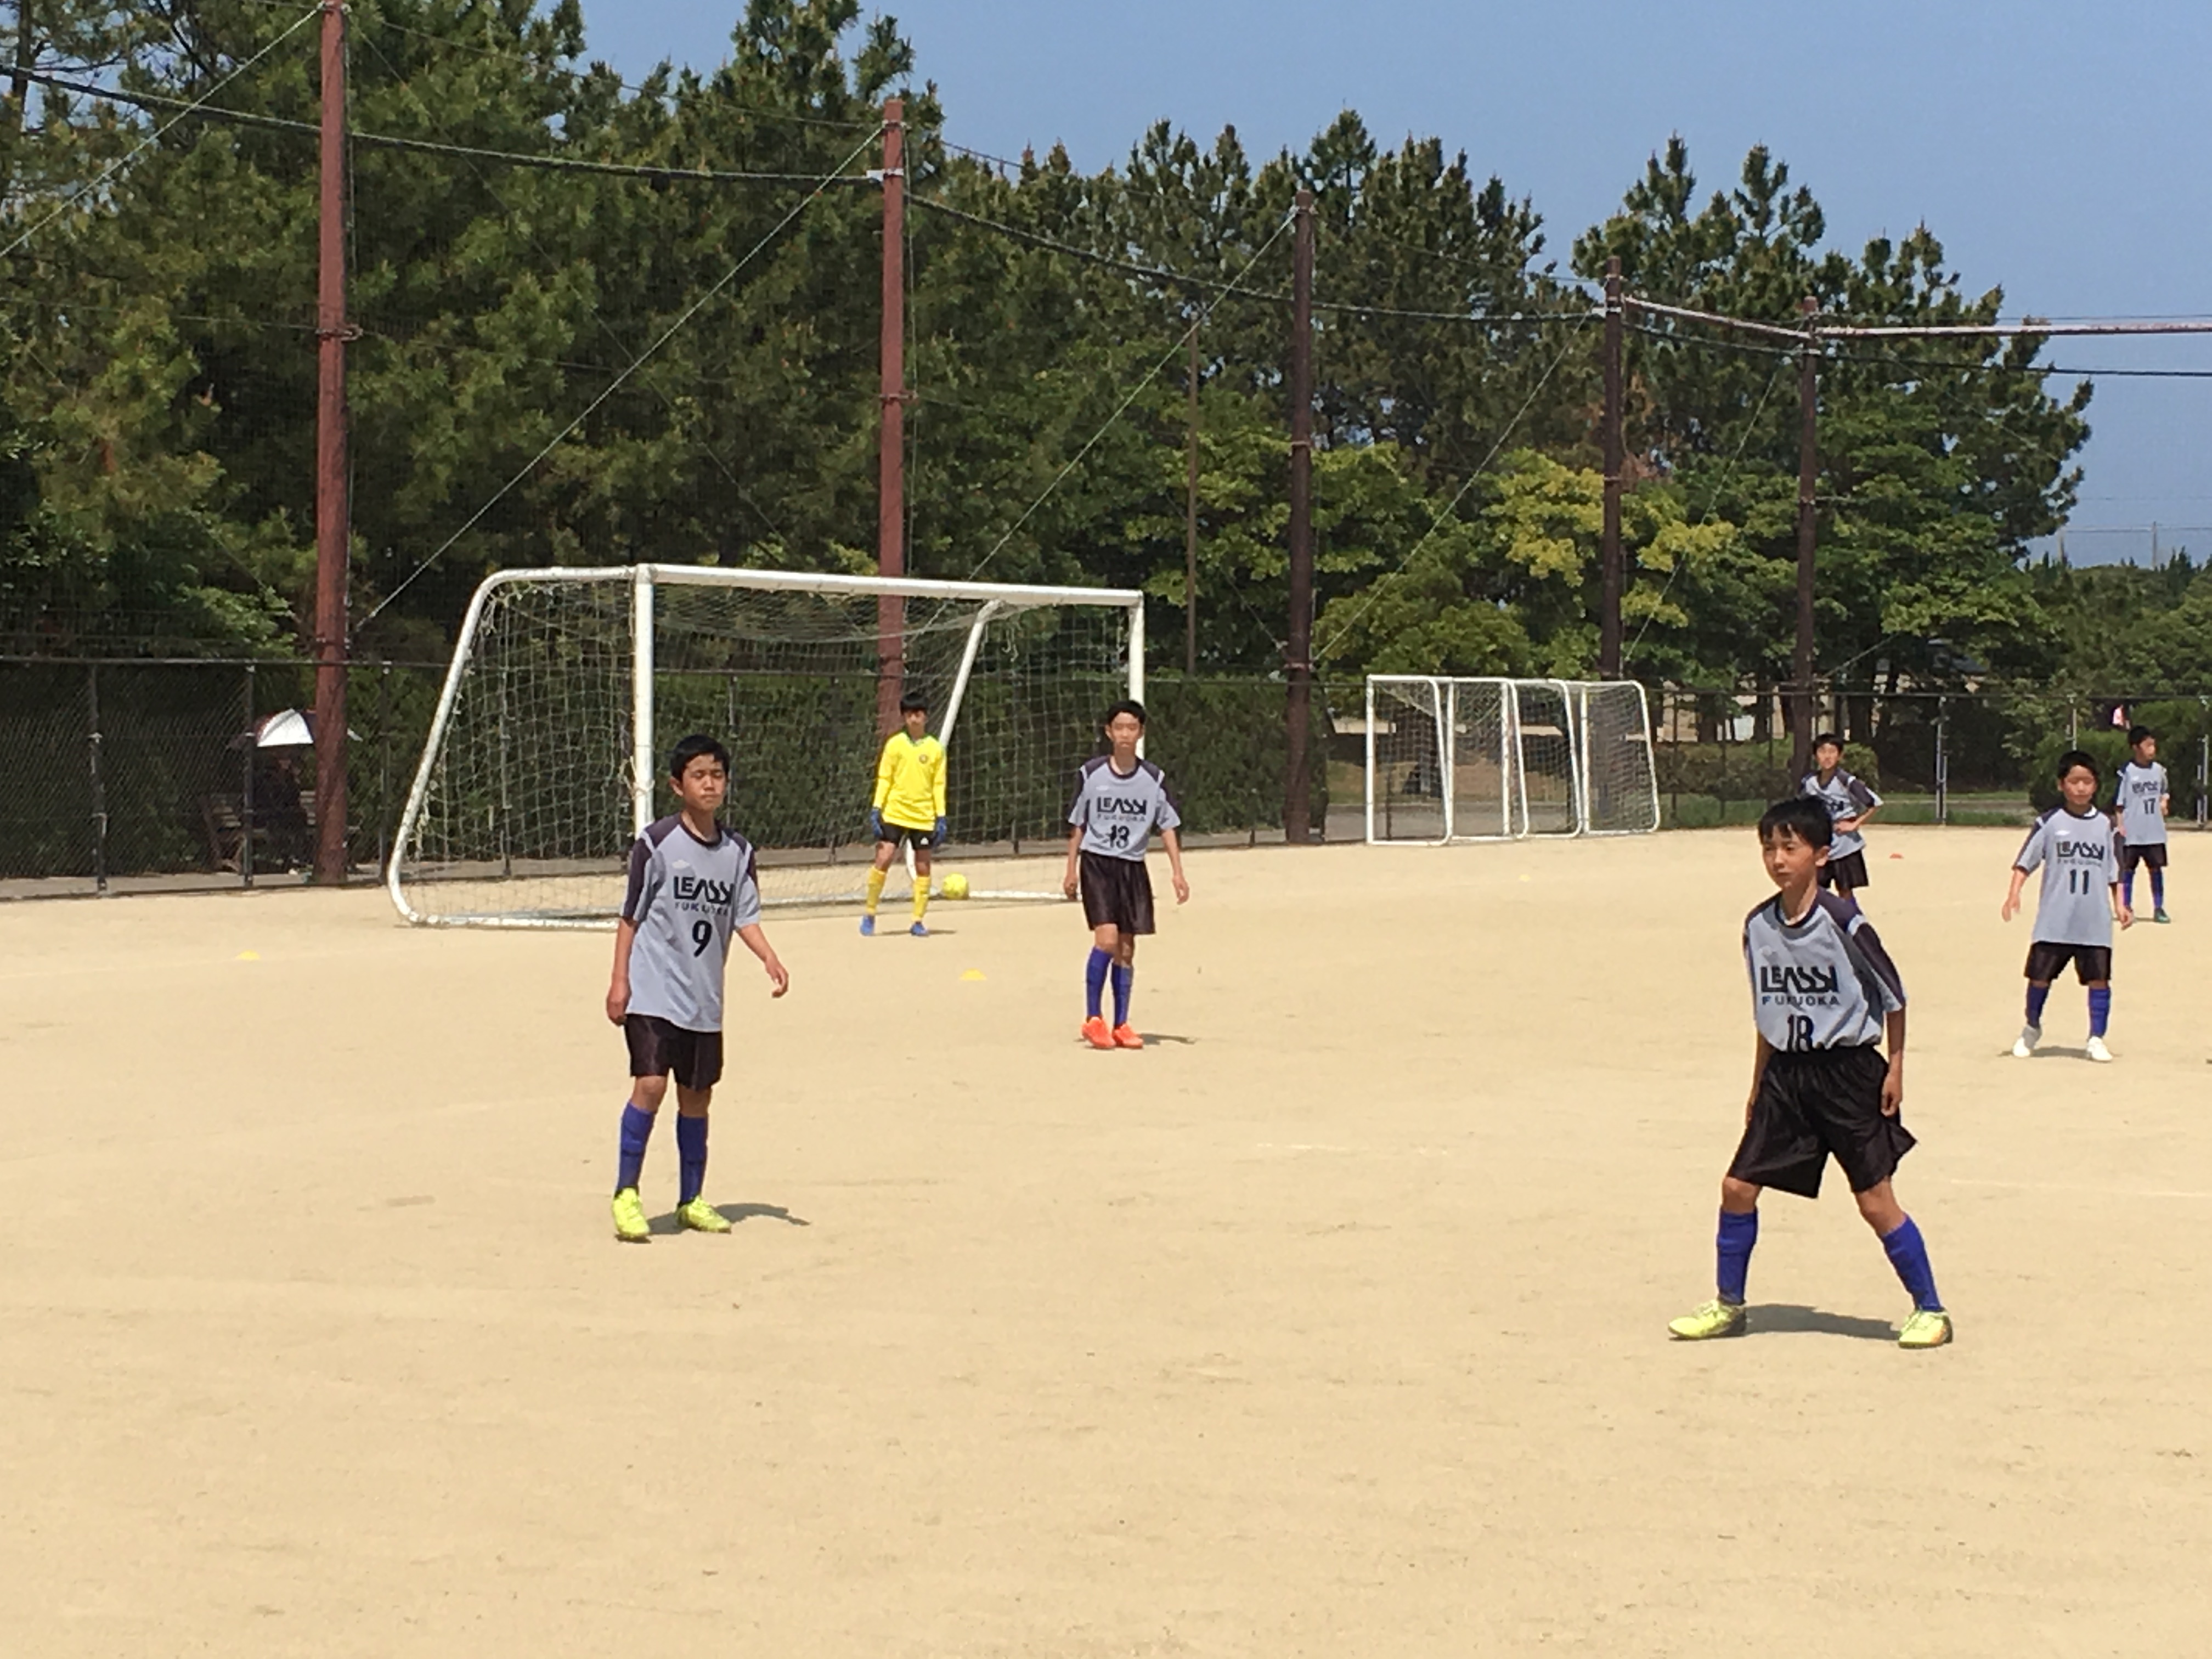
(1452, 759)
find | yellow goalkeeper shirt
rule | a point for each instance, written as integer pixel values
(910, 781)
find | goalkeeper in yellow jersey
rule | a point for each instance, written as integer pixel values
(909, 807)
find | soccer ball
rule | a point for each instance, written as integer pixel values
(955, 887)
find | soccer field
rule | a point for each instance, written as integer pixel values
(1332, 1324)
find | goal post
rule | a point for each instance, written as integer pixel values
(567, 686)
(1456, 758)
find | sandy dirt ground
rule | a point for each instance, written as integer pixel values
(1332, 1324)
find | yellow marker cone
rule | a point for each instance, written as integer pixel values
(973, 972)
(249, 955)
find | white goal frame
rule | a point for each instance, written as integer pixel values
(1513, 820)
(644, 581)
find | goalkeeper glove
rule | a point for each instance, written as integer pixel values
(937, 835)
(876, 821)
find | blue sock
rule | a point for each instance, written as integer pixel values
(636, 1130)
(691, 1155)
(2037, 996)
(2100, 1010)
(2128, 888)
(1094, 979)
(2157, 891)
(1738, 1234)
(1124, 981)
(1908, 1255)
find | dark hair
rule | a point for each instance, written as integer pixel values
(690, 749)
(914, 703)
(1801, 816)
(1127, 706)
(2081, 757)
(2140, 735)
(1824, 739)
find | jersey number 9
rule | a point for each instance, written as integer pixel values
(703, 935)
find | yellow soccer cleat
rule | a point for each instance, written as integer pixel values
(700, 1216)
(630, 1217)
(1928, 1328)
(1716, 1318)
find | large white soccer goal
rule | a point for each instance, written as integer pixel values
(568, 688)
(1460, 759)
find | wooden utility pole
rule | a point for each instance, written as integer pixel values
(891, 502)
(1297, 797)
(333, 502)
(1808, 478)
(1608, 621)
(1190, 526)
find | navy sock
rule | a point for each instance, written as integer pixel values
(636, 1130)
(1094, 979)
(2037, 996)
(2157, 891)
(2128, 888)
(2100, 1010)
(1908, 1255)
(691, 1155)
(1124, 981)
(1738, 1234)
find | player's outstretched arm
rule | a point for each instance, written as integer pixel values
(618, 986)
(1173, 842)
(756, 940)
(1068, 885)
(2012, 899)
(1892, 1086)
(2121, 911)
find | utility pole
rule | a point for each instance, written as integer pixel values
(333, 503)
(891, 500)
(1608, 621)
(1808, 476)
(1190, 526)
(1297, 714)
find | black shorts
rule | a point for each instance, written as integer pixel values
(1813, 1106)
(2092, 962)
(2152, 852)
(920, 840)
(1117, 893)
(659, 1048)
(1849, 871)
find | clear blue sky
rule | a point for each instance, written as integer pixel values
(2060, 150)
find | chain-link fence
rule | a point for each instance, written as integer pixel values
(127, 775)
(1987, 757)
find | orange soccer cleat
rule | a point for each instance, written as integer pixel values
(1095, 1034)
(1126, 1036)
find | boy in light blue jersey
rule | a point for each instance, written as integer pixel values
(2073, 845)
(2141, 801)
(692, 889)
(1851, 803)
(1824, 998)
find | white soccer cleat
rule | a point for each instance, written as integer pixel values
(2029, 1036)
(2097, 1050)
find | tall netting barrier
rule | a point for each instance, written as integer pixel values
(568, 688)
(1452, 759)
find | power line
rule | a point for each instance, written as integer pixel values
(155, 101)
(614, 386)
(1135, 391)
(155, 136)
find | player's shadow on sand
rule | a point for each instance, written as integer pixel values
(1153, 1038)
(2052, 1053)
(663, 1226)
(1778, 1317)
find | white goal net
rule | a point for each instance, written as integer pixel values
(568, 688)
(1463, 759)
